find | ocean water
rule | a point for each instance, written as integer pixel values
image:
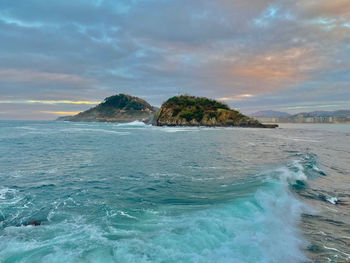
(106, 192)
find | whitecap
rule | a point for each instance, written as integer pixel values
(178, 129)
(316, 168)
(126, 215)
(26, 128)
(292, 176)
(133, 124)
(7, 193)
(332, 200)
(334, 249)
(9, 196)
(295, 139)
(95, 130)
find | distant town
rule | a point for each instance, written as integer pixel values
(339, 116)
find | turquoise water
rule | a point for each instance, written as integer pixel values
(107, 192)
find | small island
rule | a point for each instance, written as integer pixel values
(120, 108)
(188, 110)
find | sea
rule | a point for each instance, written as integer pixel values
(108, 192)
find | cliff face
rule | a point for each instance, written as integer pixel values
(196, 111)
(118, 108)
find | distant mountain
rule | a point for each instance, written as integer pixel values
(270, 113)
(338, 113)
(339, 116)
(117, 108)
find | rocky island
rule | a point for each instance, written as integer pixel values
(188, 110)
(118, 108)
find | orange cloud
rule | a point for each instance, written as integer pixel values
(267, 72)
(325, 7)
(285, 67)
(236, 97)
(61, 112)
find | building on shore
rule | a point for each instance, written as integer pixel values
(305, 119)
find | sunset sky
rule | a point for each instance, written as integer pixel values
(61, 57)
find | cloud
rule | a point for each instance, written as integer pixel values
(325, 7)
(287, 66)
(16, 75)
(88, 50)
(237, 97)
(63, 113)
(48, 102)
(63, 102)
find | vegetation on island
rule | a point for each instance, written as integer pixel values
(190, 107)
(188, 110)
(126, 102)
(118, 108)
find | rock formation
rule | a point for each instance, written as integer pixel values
(118, 108)
(196, 111)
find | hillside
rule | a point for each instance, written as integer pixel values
(338, 113)
(270, 113)
(117, 108)
(196, 111)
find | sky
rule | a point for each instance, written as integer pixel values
(60, 57)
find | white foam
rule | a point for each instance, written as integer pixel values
(95, 130)
(332, 200)
(126, 214)
(178, 129)
(7, 193)
(316, 168)
(133, 123)
(26, 128)
(9, 196)
(295, 139)
(292, 176)
(334, 249)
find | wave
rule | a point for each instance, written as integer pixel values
(333, 200)
(94, 130)
(297, 175)
(132, 124)
(178, 129)
(246, 230)
(255, 228)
